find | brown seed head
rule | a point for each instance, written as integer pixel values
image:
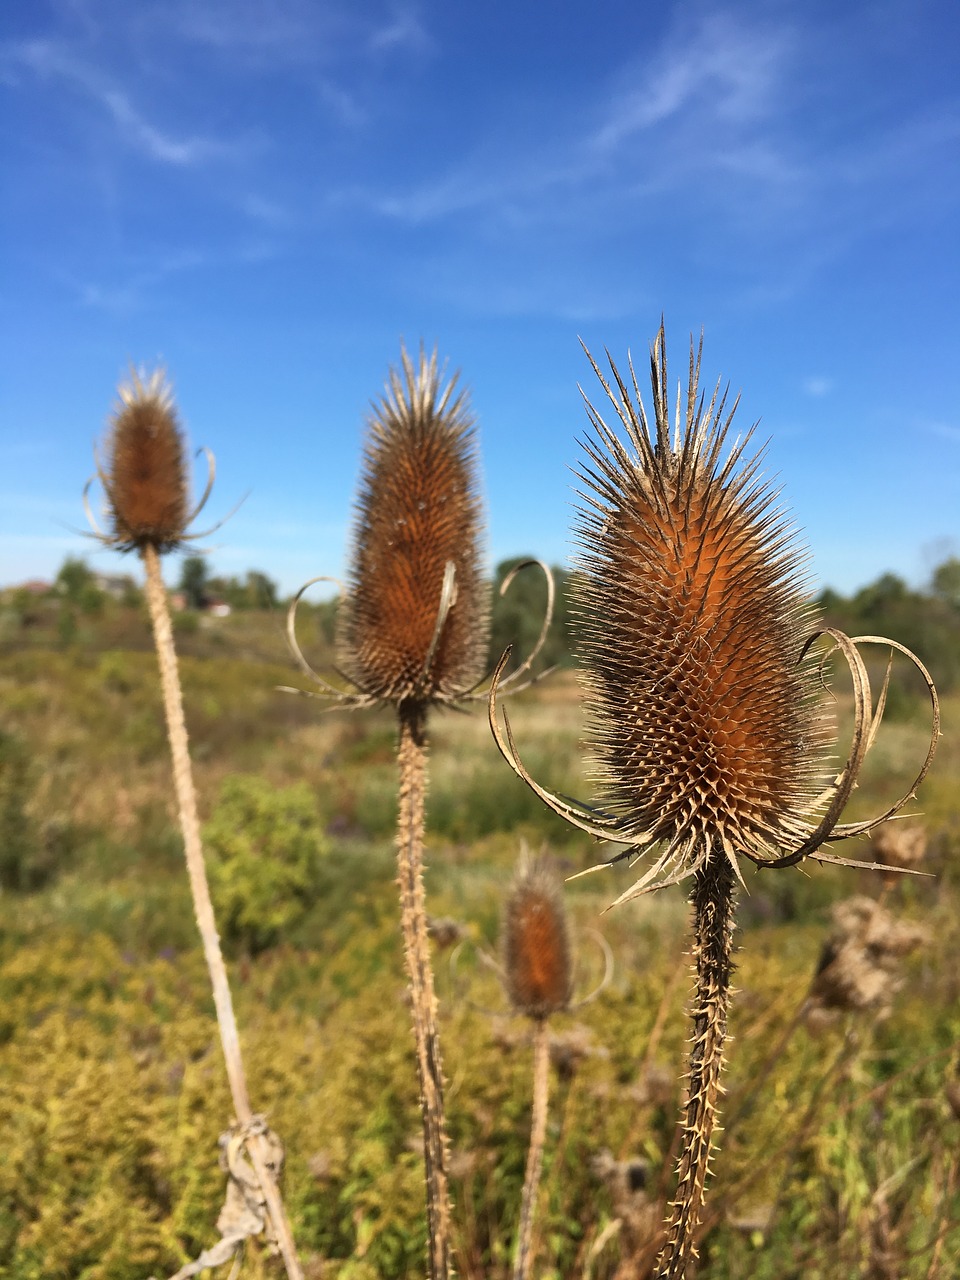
(899, 844)
(146, 471)
(858, 966)
(536, 943)
(692, 619)
(418, 511)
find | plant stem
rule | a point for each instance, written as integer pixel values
(713, 901)
(412, 758)
(538, 1133)
(202, 905)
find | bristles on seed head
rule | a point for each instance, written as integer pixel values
(536, 943)
(692, 616)
(418, 510)
(146, 471)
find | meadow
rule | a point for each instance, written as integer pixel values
(841, 1152)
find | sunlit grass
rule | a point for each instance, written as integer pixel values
(111, 1087)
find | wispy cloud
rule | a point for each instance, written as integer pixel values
(712, 98)
(817, 385)
(403, 32)
(48, 60)
(130, 293)
(718, 66)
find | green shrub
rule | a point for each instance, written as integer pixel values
(23, 862)
(266, 847)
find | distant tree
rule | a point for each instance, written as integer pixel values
(194, 581)
(261, 591)
(928, 622)
(880, 598)
(77, 584)
(254, 591)
(945, 583)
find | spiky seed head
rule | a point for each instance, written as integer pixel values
(418, 510)
(692, 615)
(536, 943)
(899, 844)
(145, 475)
(858, 964)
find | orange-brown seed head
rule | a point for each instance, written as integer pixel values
(418, 511)
(536, 944)
(692, 619)
(146, 471)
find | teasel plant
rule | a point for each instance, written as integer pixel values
(413, 633)
(536, 971)
(703, 689)
(537, 974)
(144, 478)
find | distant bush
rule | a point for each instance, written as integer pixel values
(266, 849)
(23, 864)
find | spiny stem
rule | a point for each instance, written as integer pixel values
(713, 901)
(538, 1133)
(412, 758)
(202, 905)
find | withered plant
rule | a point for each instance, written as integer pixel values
(703, 693)
(858, 964)
(413, 632)
(536, 972)
(145, 484)
(898, 845)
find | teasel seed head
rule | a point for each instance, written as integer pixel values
(703, 695)
(899, 845)
(858, 964)
(415, 624)
(536, 943)
(145, 477)
(691, 610)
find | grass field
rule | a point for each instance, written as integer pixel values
(841, 1155)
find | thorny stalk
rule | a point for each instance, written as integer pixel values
(713, 900)
(412, 758)
(538, 1132)
(203, 907)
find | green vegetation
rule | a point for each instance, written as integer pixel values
(841, 1158)
(265, 848)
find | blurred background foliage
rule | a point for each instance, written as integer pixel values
(842, 1161)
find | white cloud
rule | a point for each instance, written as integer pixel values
(403, 32)
(719, 69)
(48, 60)
(818, 386)
(712, 98)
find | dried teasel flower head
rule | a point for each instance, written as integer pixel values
(703, 697)
(415, 624)
(146, 466)
(535, 938)
(692, 611)
(144, 472)
(858, 965)
(899, 845)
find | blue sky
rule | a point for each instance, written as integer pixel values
(267, 195)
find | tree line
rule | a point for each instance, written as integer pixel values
(926, 619)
